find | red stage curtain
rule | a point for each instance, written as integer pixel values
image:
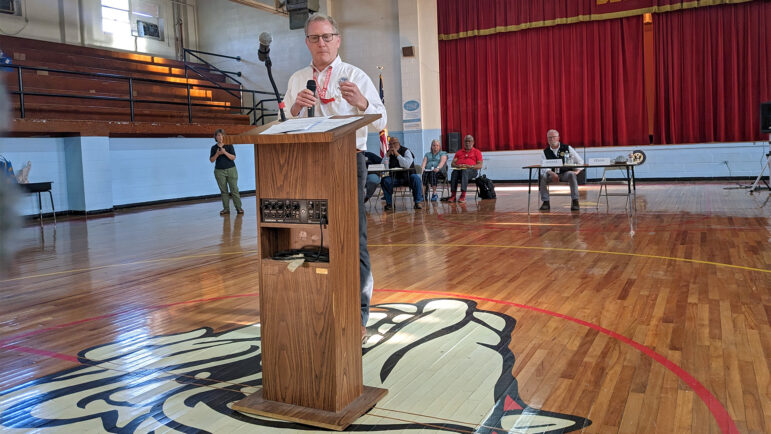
(461, 18)
(713, 69)
(585, 80)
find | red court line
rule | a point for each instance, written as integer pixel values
(723, 419)
(45, 353)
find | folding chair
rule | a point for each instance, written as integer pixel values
(604, 185)
(442, 184)
(403, 191)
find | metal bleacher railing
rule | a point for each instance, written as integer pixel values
(257, 106)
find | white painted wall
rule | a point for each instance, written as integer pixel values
(371, 39)
(146, 170)
(39, 20)
(142, 170)
(136, 170)
(664, 161)
(233, 29)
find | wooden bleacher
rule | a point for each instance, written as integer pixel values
(59, 114)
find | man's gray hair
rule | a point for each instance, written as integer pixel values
(468, 136)
(320, 17)
(552, 131)
(436, 141)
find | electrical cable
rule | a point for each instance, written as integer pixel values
(322, 220)
(308, 253)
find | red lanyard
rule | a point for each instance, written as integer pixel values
(323, 91)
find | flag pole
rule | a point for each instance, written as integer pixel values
(384, 131)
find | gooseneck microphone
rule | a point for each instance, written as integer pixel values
(264, 55)
(311, 86)
(264, 51)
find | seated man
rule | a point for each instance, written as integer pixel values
(557, 150)
(399, 156)
(466, 163)
(434, 163)
(373, 179)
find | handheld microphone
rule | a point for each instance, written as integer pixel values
(264, 51)
(311, 86)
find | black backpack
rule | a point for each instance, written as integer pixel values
(485, 187)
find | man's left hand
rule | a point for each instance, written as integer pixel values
(353, 96)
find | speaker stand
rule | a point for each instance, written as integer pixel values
(768, 165)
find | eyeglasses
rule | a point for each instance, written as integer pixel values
(327, 37)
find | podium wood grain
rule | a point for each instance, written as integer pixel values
(310, 318)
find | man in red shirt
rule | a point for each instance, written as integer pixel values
(466, 163)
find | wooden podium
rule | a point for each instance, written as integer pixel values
(310, 318)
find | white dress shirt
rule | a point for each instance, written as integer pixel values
(299, 80)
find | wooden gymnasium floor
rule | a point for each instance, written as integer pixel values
(487, 320)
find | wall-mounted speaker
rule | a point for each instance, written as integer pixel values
(408, 51)
(299, 10)
(765, 117)
(453, 142)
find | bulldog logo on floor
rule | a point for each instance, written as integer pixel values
(446, 363)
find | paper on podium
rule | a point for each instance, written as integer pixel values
(308, 125)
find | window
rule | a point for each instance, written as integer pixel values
(145, 20)
(132, 18)
(10, 7)
(115, 17)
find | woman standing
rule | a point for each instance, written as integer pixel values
(225, 172)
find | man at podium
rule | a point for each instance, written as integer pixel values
(343, 89)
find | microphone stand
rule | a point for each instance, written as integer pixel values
(268, 65)
(768, 164)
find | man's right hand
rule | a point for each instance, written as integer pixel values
(305, 98)
(553, 176)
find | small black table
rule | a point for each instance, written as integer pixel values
(40, 187)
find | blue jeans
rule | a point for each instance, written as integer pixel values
(463, 176)
(366, 283)
(373, 180)
(416, 185)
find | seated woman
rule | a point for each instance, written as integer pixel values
(434, 163)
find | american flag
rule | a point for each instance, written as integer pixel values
(384, 132)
